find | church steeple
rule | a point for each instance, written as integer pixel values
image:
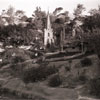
(48, 32)
(48, 21)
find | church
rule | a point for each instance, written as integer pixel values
(48, 32)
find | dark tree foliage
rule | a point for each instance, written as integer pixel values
(18, 35)
(91, 22)
(40, 18)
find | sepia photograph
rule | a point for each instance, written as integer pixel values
(49, 49)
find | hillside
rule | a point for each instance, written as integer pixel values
(55, 80)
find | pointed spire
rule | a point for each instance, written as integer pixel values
(48, 21)
(48, 32)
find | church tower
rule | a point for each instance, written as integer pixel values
(48, 32)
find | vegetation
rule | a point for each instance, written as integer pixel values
(26, 29)
(94, 87)
(86, 62)
(38, 74)
(18, 30)
(55, 81)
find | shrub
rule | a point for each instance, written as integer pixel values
(94, 87)
(17, 59)
(83, 79)
(86, 62)
(15, 55)
(4, 63)
(55, 81)
(16, 70)
(38, 74)
(67, 68)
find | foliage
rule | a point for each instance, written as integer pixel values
(82, 78)
(57, 10)
(86, 62)
(94, 87)
(40, 18)
(91, 22)
(17, 35)
(78, 11)
(55, 81)
(10, 13)
(15, 55)
(1, 21)
(38, 74)
(93, 39)
(18, 59)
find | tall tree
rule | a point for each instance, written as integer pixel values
(39, 18)
(2, 22)
(92, 21)
(10, 13)
(59, 25)
(20, 16)
(94, 11)
(57, 10)
(79, 9)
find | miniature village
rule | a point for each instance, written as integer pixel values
(50, 56)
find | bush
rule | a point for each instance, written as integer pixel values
(94, 87)
(67, 68)
(4, 63)
(17, 59)
(83, 79)
(15, 55)
(16, 70)
(55, 81)
(93, 39)
(86, 62)
(38, 74)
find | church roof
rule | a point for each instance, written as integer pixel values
(48, 21)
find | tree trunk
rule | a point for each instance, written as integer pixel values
(61, 41)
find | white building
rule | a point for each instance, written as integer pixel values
(48, 32)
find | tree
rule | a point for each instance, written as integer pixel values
(57, 10)
(94, 11)
(93, 39)
(59, 25)
(19, 13)
(91, 27)
(77, 31)
(20, 16)
(12, 17)
(39, 18)
(10, 13)
(92, 21)
(1, 21)
(78, 11)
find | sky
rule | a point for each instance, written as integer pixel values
(29, 5)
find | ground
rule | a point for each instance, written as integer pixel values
(68, 90)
